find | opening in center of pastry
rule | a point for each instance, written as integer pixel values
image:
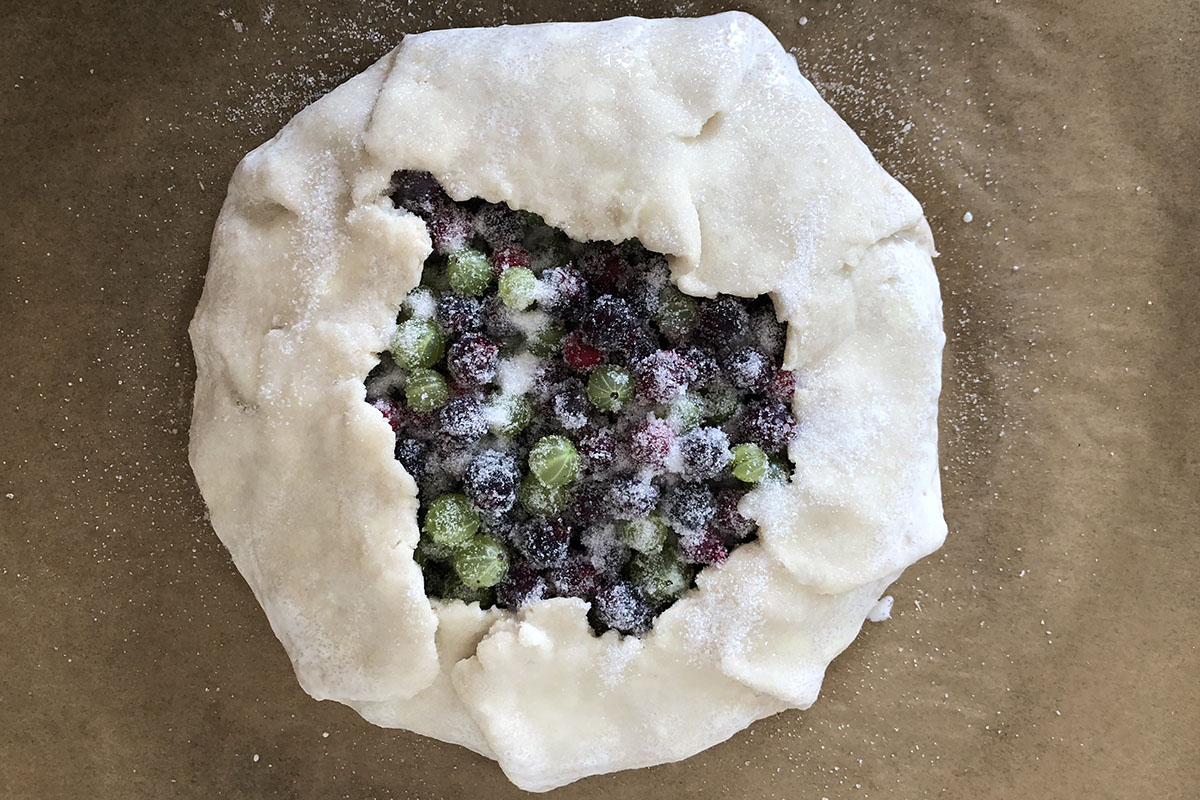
(576, 426)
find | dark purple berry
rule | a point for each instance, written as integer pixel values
(589, 504)
(498, 224)
(663, 376)
(454, 455)
(603, 267)
(522, 586)
(650, 443)
(544, 544)
(782, 386)
(499, 321)
(459, 314)
(570, 407)
(609, 323)
(565, 293)
(450, 228)
(690, 507)
(767, 423)
(631, 498)
(704, 453)
(770, 335)
(703, 362)
(575, 578)
(622, 607)
(464, 418)
(491, 481)
(747, 369)
(724, 322)
(728, 522)
(598, 447)
(473, 360)
(508, 256)
(639, 345)
(413, 454)
(704, 547)
(417, 192)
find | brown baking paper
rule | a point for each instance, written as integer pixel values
(1049, 650)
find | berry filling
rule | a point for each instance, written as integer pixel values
(576, 426)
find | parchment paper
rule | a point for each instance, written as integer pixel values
(1050, 650)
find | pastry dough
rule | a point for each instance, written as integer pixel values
(700, 138)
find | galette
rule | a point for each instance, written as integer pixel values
(568, 392)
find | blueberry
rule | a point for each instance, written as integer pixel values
(663, 376)
(728, 521)
(491, 481)
(650, 443)
(644, 291)
(598, 447)
(608, 554)
(454, 455)
(609, 323)
(640, 344)
(413, 455)
(704, 364)
(498, 224)
(499, 322)
(704, 454)
(522, 586)
(544, 544)
(464, 418)
(621, 606)
(575, 578)
(767, 423)
(564, 293)
(603, 266)
(417, 192)
(723, 322)
(747, 369)
(782, 386)
(704, 547)
(570, 407)
(589, 504)
(473, 360)
(770, 335)
(690, 507)
(631, 498)
(459, 314)
(450, 231)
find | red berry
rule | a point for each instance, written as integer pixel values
(580, 356)
(650, 443)
(507, 256)
(522, 586)
(604, 268)
(576, 578)
(728, 523)
(450, 228)
(702, 548)
(391, 412)
(782, 386)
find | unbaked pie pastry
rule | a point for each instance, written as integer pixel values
(569, 392)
